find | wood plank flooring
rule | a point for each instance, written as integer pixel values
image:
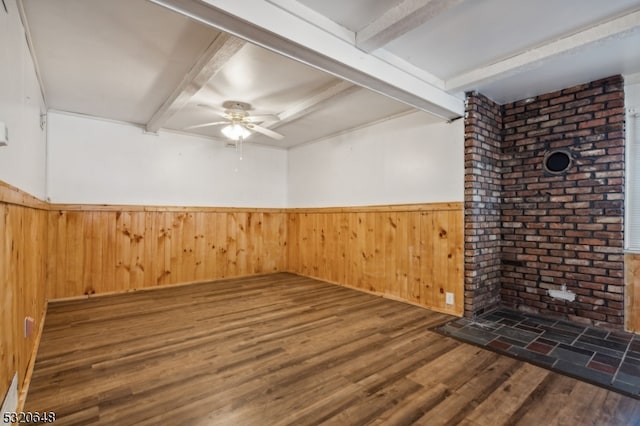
(283, 349)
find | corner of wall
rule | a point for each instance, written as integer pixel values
(483, 137)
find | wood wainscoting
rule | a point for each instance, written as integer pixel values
(632, 292)
(114, 249)
(23, 257)
(412, 253)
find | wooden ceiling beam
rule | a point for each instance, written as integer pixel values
(267, 25)
(399, 20)
(219, 52)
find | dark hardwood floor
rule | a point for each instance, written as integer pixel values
(283, 349)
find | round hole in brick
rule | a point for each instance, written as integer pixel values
(557, 162)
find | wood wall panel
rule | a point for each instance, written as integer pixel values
(7, 308)
(97, 250)
(23, 253)
(632, 292)
(412, 253)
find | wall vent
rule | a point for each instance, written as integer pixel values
(557, 161)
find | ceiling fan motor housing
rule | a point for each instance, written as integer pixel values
(236, 105)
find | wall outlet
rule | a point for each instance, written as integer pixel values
(28, 326)
(448, 298)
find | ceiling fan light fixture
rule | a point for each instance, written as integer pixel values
(235, 132)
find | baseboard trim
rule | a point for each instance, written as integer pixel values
(386, 296)
(159, 287)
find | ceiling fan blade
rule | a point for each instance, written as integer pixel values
(197, 126)
(261, 118)
(265, 131)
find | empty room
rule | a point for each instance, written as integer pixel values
(292, 212)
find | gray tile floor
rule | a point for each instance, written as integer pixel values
(607, 358)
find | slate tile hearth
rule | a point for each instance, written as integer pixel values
(607, 358)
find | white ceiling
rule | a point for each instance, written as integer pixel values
(477, 33)
(117, 59)
(322, 66)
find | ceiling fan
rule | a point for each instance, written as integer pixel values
(238, 124)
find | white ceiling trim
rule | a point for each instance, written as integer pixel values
(399, 20)
(273, 28)
(326, 94)
(221, 49)
(616, 28)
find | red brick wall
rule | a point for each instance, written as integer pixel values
(565, 229)
(482, 195)
(554, 229)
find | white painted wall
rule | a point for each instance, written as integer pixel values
(10, 403)
(95, 161)
(632, 154)
(402, 160)
(22, 162)
(632, 90)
